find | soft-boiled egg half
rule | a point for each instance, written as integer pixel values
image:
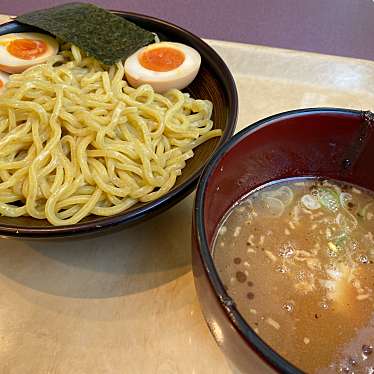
(163, 65)
(21, 50)
(4, 77)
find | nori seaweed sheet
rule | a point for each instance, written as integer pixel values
(101, 34)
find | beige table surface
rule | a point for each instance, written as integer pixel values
(125, 302)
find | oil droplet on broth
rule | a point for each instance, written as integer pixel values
(288, 307)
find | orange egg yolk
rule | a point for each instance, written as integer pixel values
(1, 84)
(26, 49)
(161, 59)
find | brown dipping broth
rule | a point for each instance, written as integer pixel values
(296, 256)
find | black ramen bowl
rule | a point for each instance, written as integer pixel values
(214, 82)
(329, 143)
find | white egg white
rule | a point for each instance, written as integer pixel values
(12, 64)
(162, 81)
(4, 77)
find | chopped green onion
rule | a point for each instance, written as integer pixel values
(363, 212)
(347, 221)
(274, 206)
(341, 240)
(284, 194)
(310, 202)
(328, 198)
(345, 198)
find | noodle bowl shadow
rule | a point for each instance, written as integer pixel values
(307, 142)
(214, 82)
(131, 261)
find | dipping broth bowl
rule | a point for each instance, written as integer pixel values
(327, 142)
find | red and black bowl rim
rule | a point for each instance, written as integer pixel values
(99, 224)
(263, 350)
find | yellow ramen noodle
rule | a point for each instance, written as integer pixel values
(75, 140)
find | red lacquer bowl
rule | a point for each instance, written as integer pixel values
(307, 142)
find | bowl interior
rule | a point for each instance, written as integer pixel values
(314, 142)
(300, 143)
(214, 82)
